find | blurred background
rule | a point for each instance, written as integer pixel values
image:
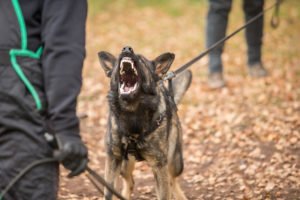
(240, 142)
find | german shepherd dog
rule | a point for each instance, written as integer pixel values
(143, 123)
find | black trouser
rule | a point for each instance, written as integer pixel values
(217, 20)
(22, 136)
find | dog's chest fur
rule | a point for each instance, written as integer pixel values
(142, 130)
(134, 123)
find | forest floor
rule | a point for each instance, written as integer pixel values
(241, 141)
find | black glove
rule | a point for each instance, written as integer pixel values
(72, 153)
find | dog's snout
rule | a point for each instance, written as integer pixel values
(127, 50)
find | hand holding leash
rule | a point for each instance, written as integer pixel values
(72, 153)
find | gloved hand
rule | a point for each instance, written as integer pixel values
(72, 153)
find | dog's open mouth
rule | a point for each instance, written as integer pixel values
(128, 76)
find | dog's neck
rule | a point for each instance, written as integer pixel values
(137, 117)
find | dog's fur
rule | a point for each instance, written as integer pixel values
(145, 119)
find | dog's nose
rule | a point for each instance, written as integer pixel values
(127, 50)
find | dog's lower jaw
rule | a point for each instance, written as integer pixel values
(128, 106)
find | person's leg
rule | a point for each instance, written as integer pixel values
(216, 26)
(17, 151)
(254, 35)
(21, 143)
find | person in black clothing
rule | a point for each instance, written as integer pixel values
(217, 20)
(42, 48)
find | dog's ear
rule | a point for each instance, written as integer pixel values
(163, 63)
(107, 62)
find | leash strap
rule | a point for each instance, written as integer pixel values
(95, 184)
(172, 74)
(104, 183)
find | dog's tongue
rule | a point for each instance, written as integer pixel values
(126, 89)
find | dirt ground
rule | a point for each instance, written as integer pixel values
(240, 142)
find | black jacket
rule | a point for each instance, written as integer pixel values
(59, 26)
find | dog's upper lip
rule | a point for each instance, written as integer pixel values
(127, 60)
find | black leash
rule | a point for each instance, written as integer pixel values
(274, 23)
(96, 185)
(101, 180)
(91, 172)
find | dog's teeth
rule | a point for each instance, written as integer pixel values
(122, 87)
(135, 71)
(122, 66)
(133, 68)
(134, 88)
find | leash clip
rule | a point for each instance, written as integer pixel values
(169, 76)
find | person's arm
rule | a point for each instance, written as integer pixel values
(63, 36)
